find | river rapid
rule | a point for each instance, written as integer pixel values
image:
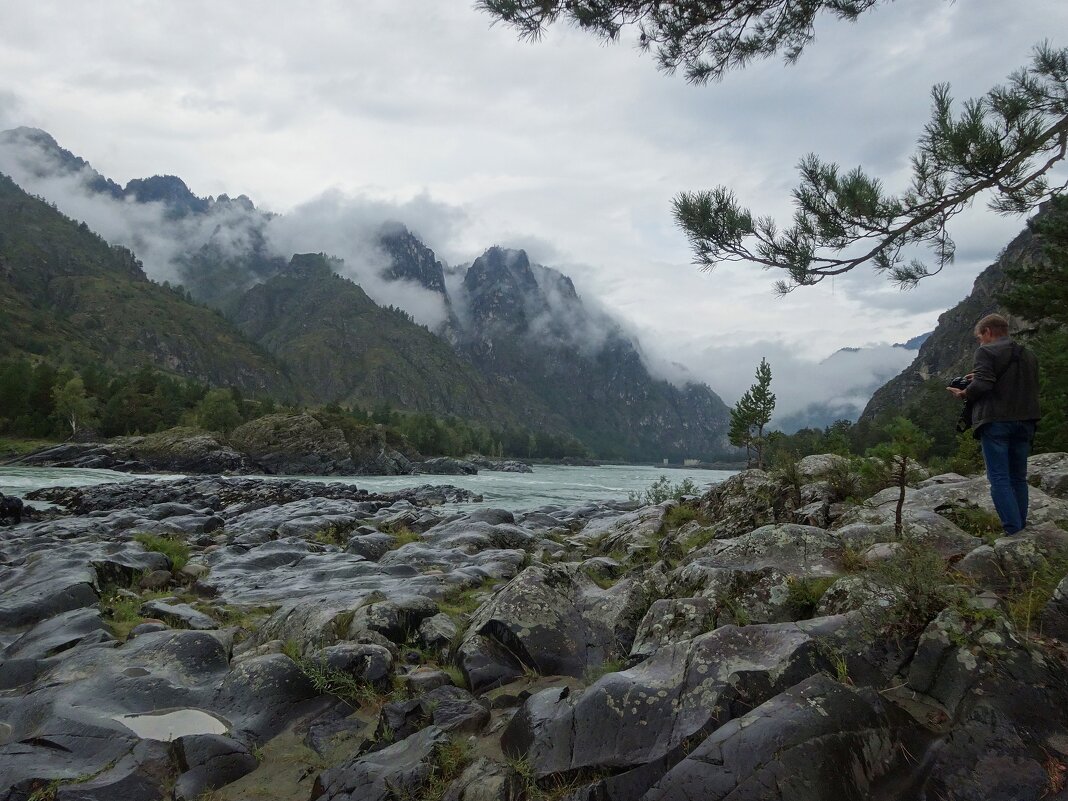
(548, 484)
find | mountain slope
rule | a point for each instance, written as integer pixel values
(517, 346)
(67, 294)
(342, 346)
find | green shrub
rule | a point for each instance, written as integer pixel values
(663, 490)
(844, 480)
(173, 548)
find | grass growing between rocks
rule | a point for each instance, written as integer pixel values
(173, 548)
(551, 788)
(450, 759)
(918, 585)
(461, 604)
(603, 669)
(975, 521)
(49, 791)
(804, 593)
(1026, 601)
(120, 609)
(343, 686)
(403, 536)
(682, 514)
(331, 535)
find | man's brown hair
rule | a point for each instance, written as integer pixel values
(994, 323)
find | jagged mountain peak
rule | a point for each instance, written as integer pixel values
(410, 259)
(503, 267)
(169, 190)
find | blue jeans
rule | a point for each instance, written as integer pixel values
(1006, 447)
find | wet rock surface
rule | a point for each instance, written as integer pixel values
(239, 638)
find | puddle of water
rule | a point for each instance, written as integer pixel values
(169, 724)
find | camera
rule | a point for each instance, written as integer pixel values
(960, 382)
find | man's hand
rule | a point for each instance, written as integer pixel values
(956, 393)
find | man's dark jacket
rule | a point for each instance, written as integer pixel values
(1003, 389)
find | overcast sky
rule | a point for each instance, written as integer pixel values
(567, 147)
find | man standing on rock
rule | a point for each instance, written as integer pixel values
(1004, 396)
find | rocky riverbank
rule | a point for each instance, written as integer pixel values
(300, 640)
(277, 444)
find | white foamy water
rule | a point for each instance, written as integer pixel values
(548, 484)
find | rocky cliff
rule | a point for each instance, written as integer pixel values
(526, 326)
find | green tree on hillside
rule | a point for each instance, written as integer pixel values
(218, 411)
(1004, 143)
(73, 405)
(751, 414)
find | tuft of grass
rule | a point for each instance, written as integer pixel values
(404, 535)
(457, 675)
(604, 582)
(338, 683)
(461, 604)
(603, 669)
(852, 561)
(121, 614)
(804, 593)
(173, 548)
(975, 521)
(836, 656)
(551, 788)
(699, 539)
(247, 618)
(450, 759)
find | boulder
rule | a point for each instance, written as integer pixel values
(745, 501)
(399, 770)
(186, 450)
(209, 761)
(545, 620)
(634, 534)
(816, 466)
(817, 741)
(1049, 471)
(787, 547)
(365, 662)
(671, 620)
(642, 714)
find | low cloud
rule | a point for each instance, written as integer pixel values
(844, 381)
